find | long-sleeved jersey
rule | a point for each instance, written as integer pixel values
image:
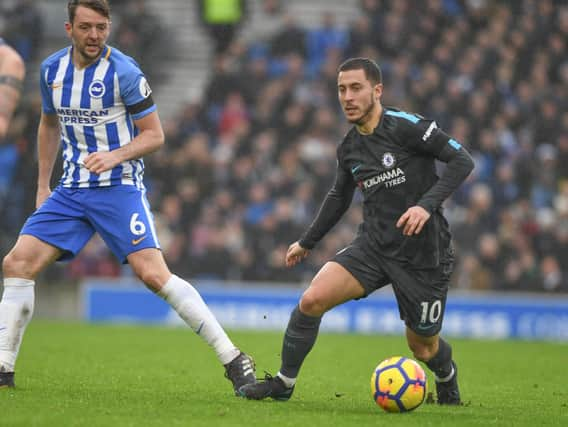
(394, 167)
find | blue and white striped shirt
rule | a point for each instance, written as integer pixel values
(96, 107)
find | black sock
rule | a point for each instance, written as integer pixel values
(299, 339)
(441, 363)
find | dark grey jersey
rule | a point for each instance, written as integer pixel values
(394, 167)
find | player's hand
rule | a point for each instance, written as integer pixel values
(42, 195)
(295, 254)
(101, 161)
(413, 220)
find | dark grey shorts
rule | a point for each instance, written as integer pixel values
(420, 293)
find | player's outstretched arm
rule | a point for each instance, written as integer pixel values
(12, 72)
(426, 137)
(48, 138)
(150, 139)
(413, 220)
(336, 202)
(459, 165)
(296, 253)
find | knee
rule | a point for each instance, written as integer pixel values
(150, 267)
(14, 265)
(423, 351)
(151, 278)
(313, 303)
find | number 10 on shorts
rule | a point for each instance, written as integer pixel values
(431, 312)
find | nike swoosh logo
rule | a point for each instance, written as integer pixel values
(56, 85)
(200, 328)
(355, 168)
(136, 241)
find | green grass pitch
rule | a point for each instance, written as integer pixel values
(72, 374)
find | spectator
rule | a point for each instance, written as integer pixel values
(222, 19)
(265, 24)
(142, 35)
(23, 28)
(321, 41)
(290, 39)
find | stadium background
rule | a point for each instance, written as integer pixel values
(252, 122)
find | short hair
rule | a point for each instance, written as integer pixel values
(372, 70)
(100, 6)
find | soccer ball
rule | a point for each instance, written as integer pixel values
(398, 384)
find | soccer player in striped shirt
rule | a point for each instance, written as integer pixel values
(98, 105)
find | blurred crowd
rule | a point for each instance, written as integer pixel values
(244, 169)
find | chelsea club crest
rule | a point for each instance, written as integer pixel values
(388, 160)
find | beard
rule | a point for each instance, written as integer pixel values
(86, 55)
(366, 113)
(81, 48)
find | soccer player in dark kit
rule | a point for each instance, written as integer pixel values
(404, 239)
